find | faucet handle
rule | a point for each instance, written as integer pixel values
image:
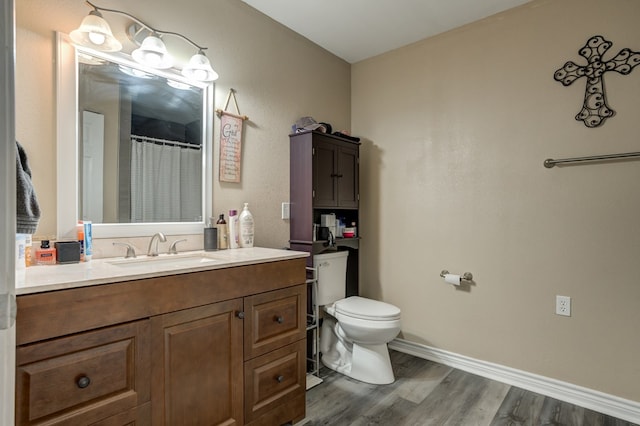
(172, 248)
(131, 252)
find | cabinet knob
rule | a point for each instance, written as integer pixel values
(280, 379)
(83, 382)
(240, 314)
(279, 319)
(338, 175)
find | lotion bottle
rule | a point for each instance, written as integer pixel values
(246, 227)
(233, 229)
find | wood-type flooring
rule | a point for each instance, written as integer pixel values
(432, 394)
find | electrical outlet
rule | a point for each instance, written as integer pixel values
(563, 306)
(286, 211)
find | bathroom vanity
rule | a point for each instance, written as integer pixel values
(206, 339)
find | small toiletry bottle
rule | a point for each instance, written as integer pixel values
(246, 227)
(88, 240)
(355, 230)
(20, 251)
(80, 230)
(221, 224)
(28, 247)
(45, 255)
(233, 229)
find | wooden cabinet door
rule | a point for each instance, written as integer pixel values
(347, 177)
(325, 185)
(335, 175)
(197, 367)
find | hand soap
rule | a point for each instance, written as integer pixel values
(247, 227)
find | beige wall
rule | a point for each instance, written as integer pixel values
(457, 127)
(277, 74)
(455, 131)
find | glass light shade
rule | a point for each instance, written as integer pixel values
(199, 68)
(153, 53)
(95, 32)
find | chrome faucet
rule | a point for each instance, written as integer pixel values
(131, 252)
(153, 250)
(172, 248)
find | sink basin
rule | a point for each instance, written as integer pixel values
(166, 260)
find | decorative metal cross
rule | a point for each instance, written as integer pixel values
(595, 109)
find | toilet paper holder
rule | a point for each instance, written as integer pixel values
(467, 276)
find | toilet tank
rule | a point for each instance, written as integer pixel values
(332, 276)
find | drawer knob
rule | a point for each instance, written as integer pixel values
(279, 319)
(280, 379)
(83, 382)
(240, 314)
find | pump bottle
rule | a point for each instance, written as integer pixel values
(221, 224)
(246, 227)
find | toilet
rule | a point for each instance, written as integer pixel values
(355, 330)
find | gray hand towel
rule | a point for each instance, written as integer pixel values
(27, 209)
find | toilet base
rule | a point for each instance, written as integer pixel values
(366, 363)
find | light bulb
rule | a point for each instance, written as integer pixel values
(199, 75)
(97, 38)
(153, 53)
(153, 59)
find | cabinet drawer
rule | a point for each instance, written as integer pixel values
(83, 378)
(275, 379)
(274, 319)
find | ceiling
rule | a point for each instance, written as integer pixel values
(359, 29)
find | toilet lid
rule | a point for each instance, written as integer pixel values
(360, 307)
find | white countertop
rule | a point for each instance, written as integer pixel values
(41, 278)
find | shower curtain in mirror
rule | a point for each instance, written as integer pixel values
(166, 182)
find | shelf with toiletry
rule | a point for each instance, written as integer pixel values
(325, 197)
(324, 215)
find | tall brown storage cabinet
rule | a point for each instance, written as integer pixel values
(324, 179)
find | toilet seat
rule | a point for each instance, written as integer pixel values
(367, 309)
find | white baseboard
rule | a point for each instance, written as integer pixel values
(588, 398)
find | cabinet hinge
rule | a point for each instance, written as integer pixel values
(313, 194)
(313, 151)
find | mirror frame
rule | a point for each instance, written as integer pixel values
(67, 147)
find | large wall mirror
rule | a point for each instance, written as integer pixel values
(139, 141)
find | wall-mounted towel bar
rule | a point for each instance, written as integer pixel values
(549, 162)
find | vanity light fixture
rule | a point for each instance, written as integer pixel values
(96, 33)
(152, 52)
(199, 68)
